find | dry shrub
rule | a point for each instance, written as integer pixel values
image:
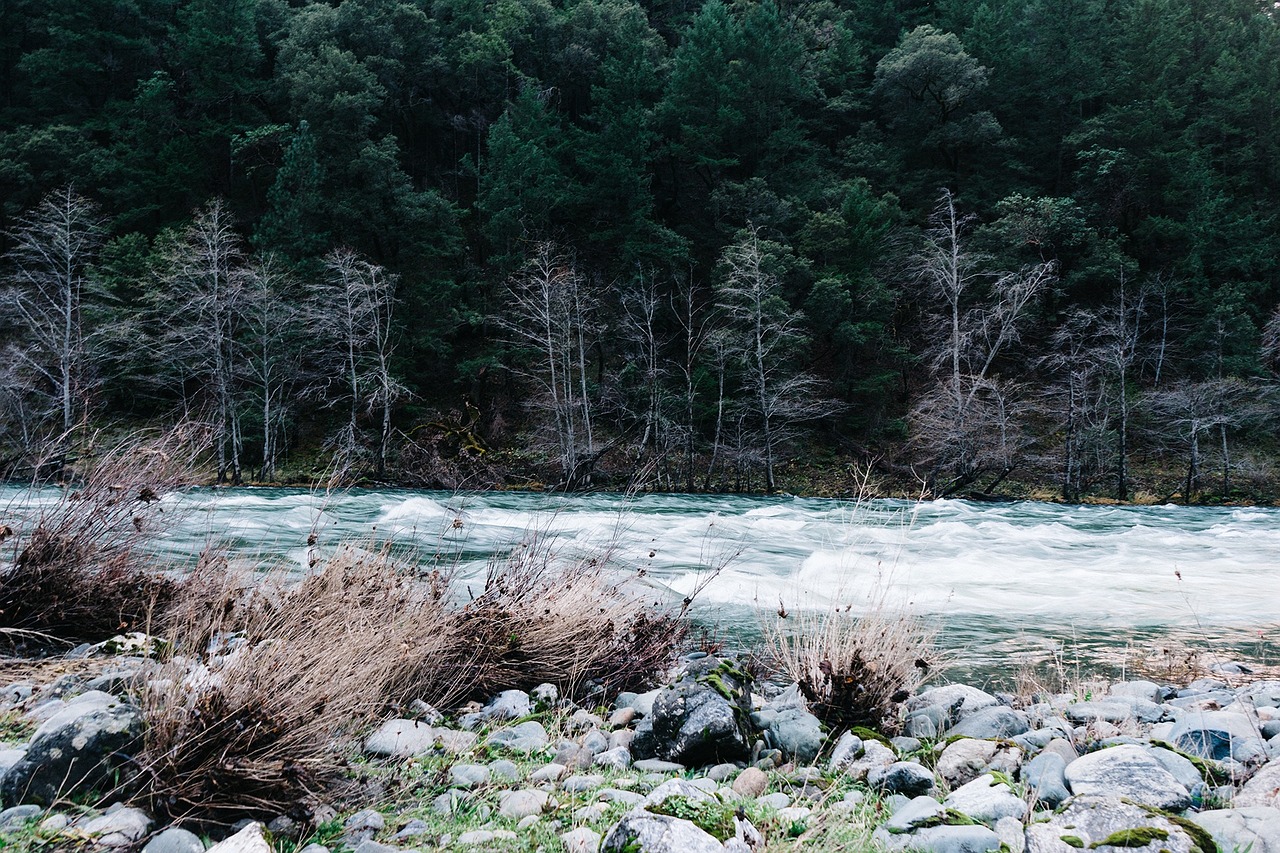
(853, 669)
(269, 677)
(544, 618)
(79, 570)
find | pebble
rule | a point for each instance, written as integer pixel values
(522, 803)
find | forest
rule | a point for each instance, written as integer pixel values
(649, 243)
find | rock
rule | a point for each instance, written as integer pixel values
(721, 772)
(425, 712)
(526, 737)
(548, 773)
(1045, 775)
(962, 699)
(1127, 771)
(175, 839)
(371, 846)
(685, 788)
(247, 840)
(1063, 748)
(1253, 828)
(614, 795)
(776, 801)
(965, 760)
(920, 726)
(1011, 834)
(118, 828)
(986, 800)
(797, 733)
(401, 739)
(1114, 710)
(8, 758)
(412, 829)
(994, 722)
(595, 741)
(1089, 820)
(919, 811)
(475, 837)
(363, 825)
(846, 751)
(314, 848)
(1262, 694)
(468, 775)
(518, 804)
(18, 815)
(617, 759)
(941, 839)
(750, 783)
(581, 840)
(545, 695)
(643, 703)
(875, 757)
(1146, 690)
(1218, 735)
(75, 750)
(700, 720)
(579, 784)
(508, 705)
(1178, 765)
(507, 771)
(1263, 789)
(905, 745)
(642, 832)
(903, 777)
(657, 765)
(453, 741)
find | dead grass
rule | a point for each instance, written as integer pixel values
(854, 669)
(78, 570)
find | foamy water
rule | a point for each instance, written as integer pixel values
(989, 572)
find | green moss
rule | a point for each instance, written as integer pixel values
(1138, 836)
(1201, 839)
(1072, 841)
(713, 818)
(1208, 772)
(949, 817)
(864, 733)
(716, 683)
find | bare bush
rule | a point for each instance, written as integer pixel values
(80, 571)
(853, 669)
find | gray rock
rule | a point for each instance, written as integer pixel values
(797, 733)
(1178, 765)
(8, 758)
(595, 741)
(412, 829)
(775, 801)
(994, 722)
(616, 795)
(1127, 771)
(700, 720)
(965, 760)
(920, 726)
(508, 771)
(1262, 789)
(685, 788)
(1012, 835)
(119, 828)
(986, 800)
(508, 705)
(545, 695)
(518, 804)
(247, 840)
(1090, 819)
(548, 773)
(1262, 694)
(962, 698)
(721, 772)
(475, 838)
(371, 846)
(363, 825)
(941, 839)
(875, 757)
(657, 765)
(581, 840)
(580, 784)
(314, 848)
(642, 832)
(1146, 690)
(643, 703)
(904, 745)
(1114, 710)
(18, 815)
(1253, 828)
(846, 751)
(903, 777)
(1218, 735)
(525, 737)
(468, 775)
(401, 739)
(920, 810)
(76, 749)
(617, 759)
(175, 839)
(1045, 775)
(453, 741)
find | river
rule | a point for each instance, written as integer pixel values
(1006, 581)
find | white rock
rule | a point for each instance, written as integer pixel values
(401, 739)
(581, 840)
(247, 840)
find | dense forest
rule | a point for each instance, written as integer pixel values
(654, 243)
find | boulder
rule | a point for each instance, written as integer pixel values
(175, 839)
(1127, 771)
(846, 751)
(702, 719)
(247, 840)
(903, 777)
(1263, 789)
(75, 750)
(1045, 776)
(401, 739)
(1218, 735)
(965, 760)
(508, 705)
(960, 699)
(797, 733)
(986, 800)
(1254, 828)
(1115, 710)
(640, 831)
(941, 839)
(994, 722)
(1092, 821)
(118, 828)
(875, 757)
(581, 840)
(518, 804)
(468, 775)
(525, 737)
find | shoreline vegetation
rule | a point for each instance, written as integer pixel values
(370, 706)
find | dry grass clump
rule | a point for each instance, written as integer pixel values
(78, 572)
(853, 669)
(268, 678)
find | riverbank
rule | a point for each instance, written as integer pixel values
(709, 760)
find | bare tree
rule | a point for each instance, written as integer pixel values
(696, 324)
(551, 312)
(966, 422)
(201, 311)
(768, 338)
(1188, 410)
(48, 283)
(273, 326)
(349, 316)
(645, 345)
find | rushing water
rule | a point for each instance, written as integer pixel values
(1001, 579)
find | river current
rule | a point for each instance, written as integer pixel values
(1006, 579)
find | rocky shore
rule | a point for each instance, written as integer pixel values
(709, 761)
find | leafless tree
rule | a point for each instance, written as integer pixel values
(1188, 410)
(645, 345)
(966, 421)
(273, 325)
(552, 311)
(349, 316)
(48, 282)
(201, 309)
(1119, 337)
(696, 324)
(768, 336)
